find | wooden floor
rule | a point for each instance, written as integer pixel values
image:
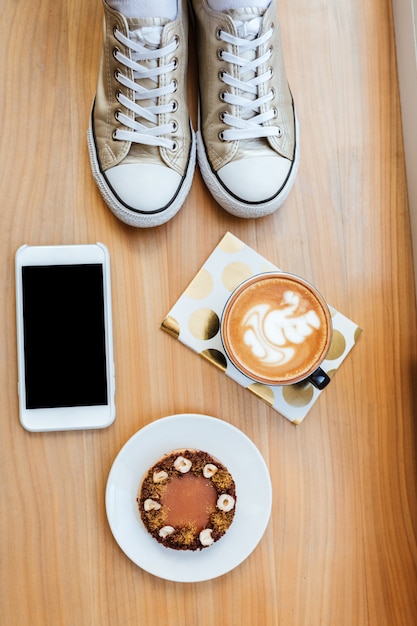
(340, 548)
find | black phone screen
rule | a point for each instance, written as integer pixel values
(64, 336)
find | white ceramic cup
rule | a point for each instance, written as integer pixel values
(276, 329)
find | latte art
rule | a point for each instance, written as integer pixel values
(270, 332)
(276, 328)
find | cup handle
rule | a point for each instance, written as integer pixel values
(319, 379)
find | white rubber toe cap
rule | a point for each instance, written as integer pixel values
(255, 179)
(144, 187)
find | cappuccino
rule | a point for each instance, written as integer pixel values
(276, 328)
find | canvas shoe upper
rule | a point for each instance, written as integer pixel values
(247, 142)
(141, 144)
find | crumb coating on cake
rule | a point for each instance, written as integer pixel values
(154, 515)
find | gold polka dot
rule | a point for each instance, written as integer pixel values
(201, 286)
(358, 333)
(171, 326)
(216, 358)
(230, 243)
(234, 274)
(298, 395)
(204, 324)
(338, 346)
(263, 392)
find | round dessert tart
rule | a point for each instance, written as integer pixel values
(187, 500)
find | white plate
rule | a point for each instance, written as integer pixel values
(253, 490)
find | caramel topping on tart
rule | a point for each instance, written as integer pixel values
(187, 500)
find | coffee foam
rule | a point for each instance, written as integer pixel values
(276, 328)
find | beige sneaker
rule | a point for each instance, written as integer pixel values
(141, 144)
(247, 143)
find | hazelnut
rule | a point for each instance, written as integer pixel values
(225, 502)
(209, 470)
(151, 505)
(159, 477)
(182, 464)
(205, 537)
(165, 531)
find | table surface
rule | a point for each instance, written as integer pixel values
(340, 548)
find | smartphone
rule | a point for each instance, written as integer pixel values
(64, 337)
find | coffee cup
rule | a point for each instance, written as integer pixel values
(276, 329)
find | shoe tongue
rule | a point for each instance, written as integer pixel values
(248, 21)
(146, 31)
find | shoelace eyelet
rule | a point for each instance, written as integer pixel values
(220, 53)
(222, 115)
(221, 136)
(115, 52)
(222, 95)
(174, 106)
(221, 75)
(174, 126)
(175, 62)
(174, 147)
(218, 33)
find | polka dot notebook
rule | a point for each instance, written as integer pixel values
(195, 321)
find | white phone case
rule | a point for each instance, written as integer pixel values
(45, 418)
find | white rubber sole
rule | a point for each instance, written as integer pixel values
(131, 216)
(232, 204)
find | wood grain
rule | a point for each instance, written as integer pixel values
(340, 549)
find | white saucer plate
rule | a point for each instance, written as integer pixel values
(253, 490)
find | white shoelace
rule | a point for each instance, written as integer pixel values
(250, 123)
(146, 53)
